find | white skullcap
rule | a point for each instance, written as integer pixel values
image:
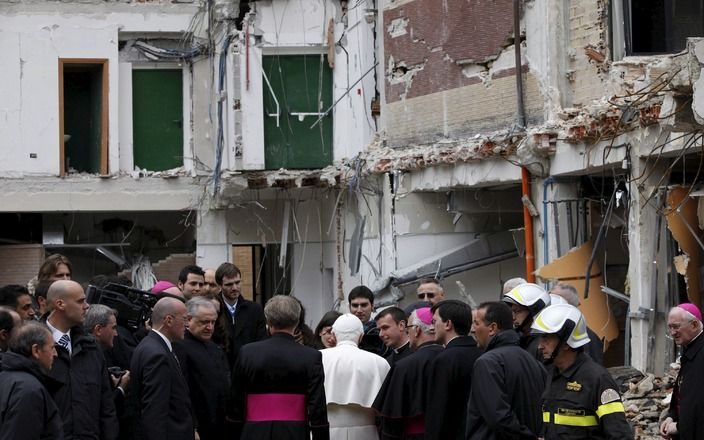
(348, 323)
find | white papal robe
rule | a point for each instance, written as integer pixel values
(352, 380)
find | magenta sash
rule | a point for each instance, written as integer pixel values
(276, 407)
(414, 425)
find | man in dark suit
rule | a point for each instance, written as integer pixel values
(158, 386)
(205, 369)
(451, 371)
(240, 321)
(278, 385)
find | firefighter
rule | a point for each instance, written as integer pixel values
(526, 300)
(581, 400)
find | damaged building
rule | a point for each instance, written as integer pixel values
(322, 144)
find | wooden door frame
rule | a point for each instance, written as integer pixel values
(104, 107)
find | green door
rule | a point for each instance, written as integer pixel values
(157, 119)
(302, 84)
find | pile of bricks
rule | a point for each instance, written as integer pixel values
(646, 399)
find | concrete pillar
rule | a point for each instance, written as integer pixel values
(213, 245)
(642, 233)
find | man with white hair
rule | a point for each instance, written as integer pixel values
(685, 417)
(402, 399)
(509, 285)
(352, 380)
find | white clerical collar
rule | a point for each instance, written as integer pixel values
(168, 343)
(396, 350)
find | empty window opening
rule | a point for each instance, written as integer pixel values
(262, 277)
(83, 116)
(662, 26)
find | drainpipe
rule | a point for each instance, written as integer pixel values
(525, 175)
(528, 223)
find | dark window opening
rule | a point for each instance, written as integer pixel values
(662, 26)
(84, 120)
(262, 277)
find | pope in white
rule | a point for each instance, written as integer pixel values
(352, 380)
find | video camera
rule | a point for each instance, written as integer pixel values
(134, 306)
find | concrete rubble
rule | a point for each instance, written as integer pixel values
(646, 399)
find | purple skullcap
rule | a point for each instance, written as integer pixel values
(692, 310)
(425, 315)
(160, 286)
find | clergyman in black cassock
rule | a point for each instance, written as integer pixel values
(278, 384)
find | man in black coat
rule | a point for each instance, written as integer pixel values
(159, 390)
(278, 384)
(205, 369)
(240, 321)
(26, 409)
(85, 399)
(402, 399)
(686, 415)
(507, 381)
(451, 371)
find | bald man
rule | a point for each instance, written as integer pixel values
(85, 399)
(159, 390)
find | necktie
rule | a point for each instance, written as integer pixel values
(65, 342)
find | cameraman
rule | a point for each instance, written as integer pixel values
(101, 322)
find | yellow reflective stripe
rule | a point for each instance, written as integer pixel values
(610, 408)
(546, 417)
(575, 420)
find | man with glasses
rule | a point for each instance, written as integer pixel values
(685, 417)
(430, 290)
(158, 385)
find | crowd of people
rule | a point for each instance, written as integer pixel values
(210, 364)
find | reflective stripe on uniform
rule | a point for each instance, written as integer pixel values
(560, 419)
(609, 408)
(546, 417)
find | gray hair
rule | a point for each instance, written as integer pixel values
(98, 314)
(413, 319)
(27, 335)
(282, 311)
(509, 285)
(568, 292)
(196, 303)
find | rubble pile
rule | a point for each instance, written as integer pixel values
(646, 399)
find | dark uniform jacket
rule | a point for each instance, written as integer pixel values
(206, 372)
(85, 398)
(583, 402)
(232, 332)
(530, 344)
(451, 371)
(160, 392)
(506, 383)
(687, 404)
(27, 410)
(402, 398)
(595, 348)
(371, 341)
(277, 368)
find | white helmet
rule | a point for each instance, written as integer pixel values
(563, 320)
(557, 299)
(528, 295)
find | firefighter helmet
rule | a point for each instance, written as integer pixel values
(557, 299)
(563, 320)
(528, 295)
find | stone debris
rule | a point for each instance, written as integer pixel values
(646, 399)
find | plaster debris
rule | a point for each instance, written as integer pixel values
(397, 27)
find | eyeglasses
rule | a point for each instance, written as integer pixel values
(429, 295)
(326, 332)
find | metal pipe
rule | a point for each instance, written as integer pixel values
(519, 64)
(528, 223)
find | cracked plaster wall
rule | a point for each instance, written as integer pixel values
(33, 37)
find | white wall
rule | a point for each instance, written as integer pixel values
(32, 43)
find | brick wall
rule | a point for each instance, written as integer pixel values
(20, 263)
(437, 35)
(588, 27)
(461, 111)
(169, 268)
